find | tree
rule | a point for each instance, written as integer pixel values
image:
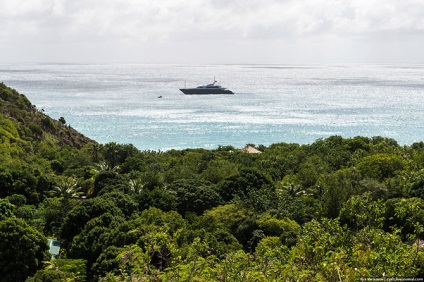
(218, 170)
(77, 218)
(108, 181)
(377, 254)
(251, 187)
(292, 189)
(66, 188)
(52, 212)
(160, 198)
(229, 215)
(319, 251)
(61, 270)
(285, 228)
(6, 209)
(92, 240)
(361, 211)
(136, 184)
(107, 262)
(337, 188)
(22, 250)
(62, 120)
(194, 196)
(310, 170)
(116, 154)
(204, 228)
(417, 189)
(381, 166)
(410, 212)
(123, 201)
(246, 179)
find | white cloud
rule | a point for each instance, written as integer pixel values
(138, 23)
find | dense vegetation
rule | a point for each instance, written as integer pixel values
(339, 209)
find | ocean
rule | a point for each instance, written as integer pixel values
(272, 103)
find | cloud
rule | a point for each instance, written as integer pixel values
(146, 22)
(168, 18)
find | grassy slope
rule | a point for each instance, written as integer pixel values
(22, 123)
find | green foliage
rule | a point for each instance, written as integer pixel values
(417, 185)
(218, 170)
(250, 188)
(172, 220)
(77, 218)
(62, 120)
(229, 215)
(66, 188)
(22, 250)
(92, 240)
(376, 252)
(245, 233)
(108, 181)
(36, 130)
(50, 275)
(123, 201)
(116, 154)
(361, 211)
(381, 166)
(194, 196)
(162, 199)
(8, 130)
(17, 199)
(107, 262)
(51, 209)
(242, 183)
(317, 240)
(6, 209)
(408, 214)
(57, 166)
(61, 270)
(311, 169)
(337, 188)
(284, 228)
(339, 209)
(219, 240)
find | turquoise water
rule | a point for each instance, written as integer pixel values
(272, 104)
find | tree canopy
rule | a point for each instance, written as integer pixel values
(339, 209)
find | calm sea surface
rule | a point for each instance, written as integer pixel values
(272, 104)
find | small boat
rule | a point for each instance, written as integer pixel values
(208, 89)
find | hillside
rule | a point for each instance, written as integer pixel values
(22, 122)
(339, 209)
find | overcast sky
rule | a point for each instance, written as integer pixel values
(212, 31)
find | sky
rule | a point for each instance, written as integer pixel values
(212, 31)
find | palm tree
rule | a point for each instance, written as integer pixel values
(136, 185)
(67, 188)
(103, 166)
(95, 150)
(293, 189)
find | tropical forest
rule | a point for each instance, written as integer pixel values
(338, 209)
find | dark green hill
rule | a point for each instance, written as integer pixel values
(21, 122)
(35, 149)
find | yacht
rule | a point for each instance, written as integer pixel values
(211, 88)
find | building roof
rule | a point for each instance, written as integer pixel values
(251, 150)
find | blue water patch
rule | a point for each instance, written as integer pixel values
(272, 103)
